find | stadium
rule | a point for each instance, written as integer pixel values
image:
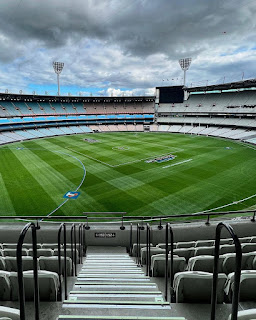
(129, 206)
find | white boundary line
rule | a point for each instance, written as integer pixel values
(175, 164)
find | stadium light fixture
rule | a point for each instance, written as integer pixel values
(185, 64)
(58, 66)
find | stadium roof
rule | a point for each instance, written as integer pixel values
(225, 86)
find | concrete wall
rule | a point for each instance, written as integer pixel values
(48, 233)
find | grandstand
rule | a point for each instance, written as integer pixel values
(226, 111)
(130, 267)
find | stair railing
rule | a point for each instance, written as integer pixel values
(130, 248)
(73, 248)
(138, 246)
(62, 227)
(23, 233)
(84, 240)
(235, 298)
(168, 230)
(148, 254)
(80, 241)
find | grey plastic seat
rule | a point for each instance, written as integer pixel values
(48, 285)
(49, 246)
(52, 264)
(163, 246)
(5, 287)
(204, 251)
(12, 252)
(204, 263)
(11, 263)
(153, 251)
(69, 252)
(134, 248)
(158, 264)
(2, 263)
(9, 245)
(9, 313)
(245, 239)
(184, 252)
(226, 241)
(14, 245)
(247, 285)
(204, 243)
(227, 248)
(41, 252)
(196, 286)
(229, 262)
(248, 247)
(187, 244)
(245, 315)
(253, 239)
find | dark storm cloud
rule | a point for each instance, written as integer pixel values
(127, 43)
(139, 27)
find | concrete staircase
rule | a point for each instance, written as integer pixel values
(111, 286)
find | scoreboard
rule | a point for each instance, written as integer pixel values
(174, 94)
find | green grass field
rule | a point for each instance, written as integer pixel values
(207, 173)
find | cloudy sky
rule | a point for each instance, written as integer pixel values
(124, 46)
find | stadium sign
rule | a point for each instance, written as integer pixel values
(105, 234)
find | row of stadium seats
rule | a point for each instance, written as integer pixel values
(6, 245)
(204, 121)
(227, 132)
(195, 286)
(201, 263)
(228, 103)
(40, 252)
(16, 108)
(44, 263)
(194, 244)
(48, 285)
(19, 135)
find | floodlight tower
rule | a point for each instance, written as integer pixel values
(58, 66)
(184, 64)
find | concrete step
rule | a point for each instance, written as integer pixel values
(115, 297)
(108, 258)
(88, 317)
(106, 292)
(113, 268)
(84, 271)
(81, 286)
(112, 275)
(110, 264)
(113, 279)
(114, 304)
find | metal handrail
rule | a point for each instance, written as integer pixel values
(138, 246)
(167, 229)
(130, 250)
(235, 298)
(34, 228)
(163, 217)
(147, 247)
(122, 227)
(84, 240)
(62, 227)
(80, 241)
(73, 251)
(148, 255)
